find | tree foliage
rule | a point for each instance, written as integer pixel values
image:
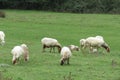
(77, 6)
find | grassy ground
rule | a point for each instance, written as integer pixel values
(31, 26)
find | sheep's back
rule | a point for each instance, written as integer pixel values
(17, 51)
(94, 41)
(49, 41)
(65, 51)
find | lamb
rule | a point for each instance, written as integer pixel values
(2, 37)
(73, 48)
(50, 43)
(96, 42)
(18, 51)
(66, 54)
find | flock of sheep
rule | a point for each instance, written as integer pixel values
(92, 43)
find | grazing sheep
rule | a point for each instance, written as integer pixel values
(2, 14)
(96, 42)
(66, 54)
(73, 48)
(2, 37)
(50, 43)
(18, 51)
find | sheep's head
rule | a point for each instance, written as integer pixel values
(77, 48)
(14, 61)
(59, 48)
(73, 48)
(23, 45)
(106, 47)
(62, 61)
(82, 42)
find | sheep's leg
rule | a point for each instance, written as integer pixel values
(26, 56)
(68, 61)
(83, 49)
(59, 49)
(44, 48)
(51, 49)
(54, 49)
(91, 49)
(97, 52)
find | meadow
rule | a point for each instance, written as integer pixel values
(23, 26)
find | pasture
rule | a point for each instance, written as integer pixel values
(31, 26)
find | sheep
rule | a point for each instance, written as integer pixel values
(73, 48)
(2, 37)
(66, 54)
(50, 43)
(18, 51)
(96, 42)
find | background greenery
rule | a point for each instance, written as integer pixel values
(76, 6)
(31, 26)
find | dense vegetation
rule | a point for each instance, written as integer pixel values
(77, 6)
(31, 26)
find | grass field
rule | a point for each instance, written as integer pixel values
(31, 26)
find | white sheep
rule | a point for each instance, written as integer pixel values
(73, 48)
(50, 43)
(2, 37)
(65, 55)
(96, 42)
(18, 51)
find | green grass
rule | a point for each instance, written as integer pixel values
(31, 26)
